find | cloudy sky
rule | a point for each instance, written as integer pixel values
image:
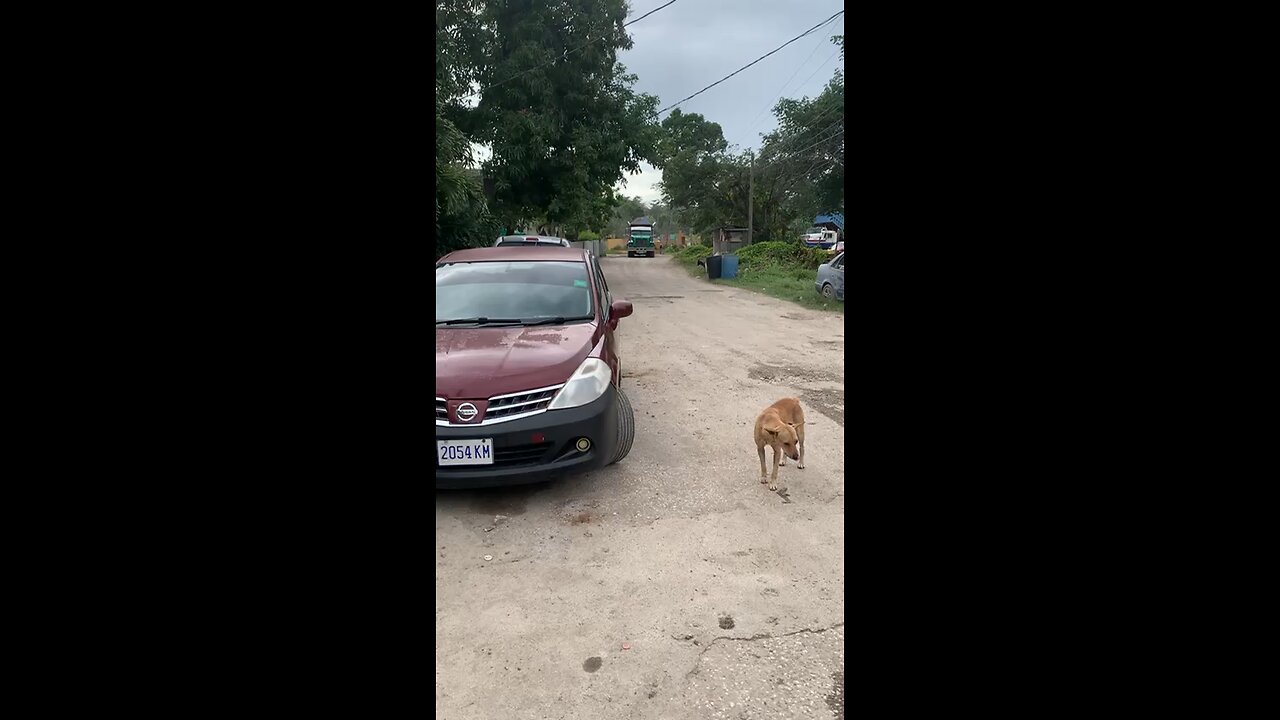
(683, 48)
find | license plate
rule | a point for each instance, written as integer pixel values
(465, 452)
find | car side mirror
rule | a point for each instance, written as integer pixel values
(619, 309)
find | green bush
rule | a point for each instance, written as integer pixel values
(693, 253)
(782, 254)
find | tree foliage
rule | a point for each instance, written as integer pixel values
(557, 108)
(462, 217)
(698, 172)
(537, 81)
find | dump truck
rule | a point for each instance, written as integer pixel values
(640, 238)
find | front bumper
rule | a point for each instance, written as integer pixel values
(519, 460)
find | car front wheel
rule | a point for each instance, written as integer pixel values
(626, 427)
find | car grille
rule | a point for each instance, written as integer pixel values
(505, 407)
(508, 405)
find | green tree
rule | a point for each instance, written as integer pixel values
(698, 174)
(462, 217)
(556, 107)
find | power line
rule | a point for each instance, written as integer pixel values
(824, 64)
(566, 53)
(787, 145)
(648, 14)
(820, 115)
(808, 170)
(753, 62)
(806, 80)
(783, 89)
(828, 138)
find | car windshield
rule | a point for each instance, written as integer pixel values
(512, 292)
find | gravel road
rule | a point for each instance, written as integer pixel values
(672, 585)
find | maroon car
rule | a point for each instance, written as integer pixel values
(527, 378)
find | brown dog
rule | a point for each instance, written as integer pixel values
(780, 426)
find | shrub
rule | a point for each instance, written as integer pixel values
(693, 253)
(782, 254)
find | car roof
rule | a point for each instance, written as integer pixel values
(517, 252)
(539, 238)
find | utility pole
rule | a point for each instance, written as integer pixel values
(751, 199)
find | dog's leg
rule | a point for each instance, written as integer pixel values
(782, 460)
(773, 481)
(800, 445)
(764, 476)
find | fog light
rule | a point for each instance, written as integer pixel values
(583, 444)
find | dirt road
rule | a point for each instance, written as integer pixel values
(727, 596)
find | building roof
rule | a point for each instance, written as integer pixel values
(509, 253)
(836, 219)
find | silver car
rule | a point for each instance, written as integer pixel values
(830, 282)
(509, 240)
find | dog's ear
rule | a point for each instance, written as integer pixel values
(773, 430)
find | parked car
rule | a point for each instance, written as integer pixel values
(528, 379)
(526, 240)
(837, 248)
(830, 281)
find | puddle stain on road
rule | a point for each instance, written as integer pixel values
(504, 501)
(828, 402)
(835, 700)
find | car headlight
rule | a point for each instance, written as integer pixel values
(586, 384)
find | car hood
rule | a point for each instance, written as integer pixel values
(478, 363)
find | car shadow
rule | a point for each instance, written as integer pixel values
(515, 499)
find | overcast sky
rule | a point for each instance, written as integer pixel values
(683, 48)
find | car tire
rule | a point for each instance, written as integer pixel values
(828, 291)
(626, 427)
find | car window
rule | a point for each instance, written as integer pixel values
(838, 262)
(525, 290)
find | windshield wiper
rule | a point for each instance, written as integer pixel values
(556, 320)
(478, 321)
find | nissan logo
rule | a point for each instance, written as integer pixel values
(466, 412)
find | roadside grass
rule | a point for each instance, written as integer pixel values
(782, 270)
